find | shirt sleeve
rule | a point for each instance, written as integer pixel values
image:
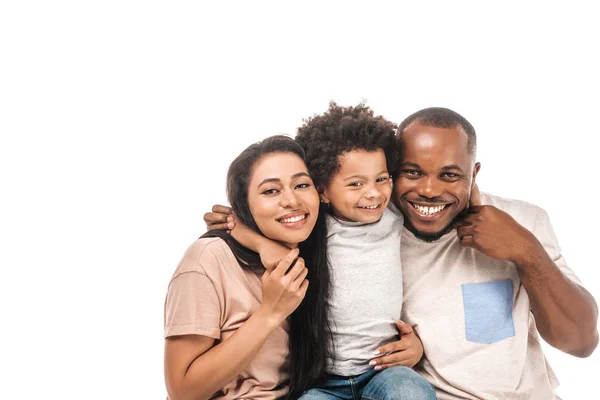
(545, 234)
(192, 306)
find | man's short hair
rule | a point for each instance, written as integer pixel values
(439, 117)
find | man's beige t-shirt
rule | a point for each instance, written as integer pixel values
(473, 314)
(211, 295)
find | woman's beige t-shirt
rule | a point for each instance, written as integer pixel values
(211, 295)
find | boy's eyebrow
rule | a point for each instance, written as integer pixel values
(364, 177)
(277, 180)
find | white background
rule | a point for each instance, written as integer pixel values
(118, 120)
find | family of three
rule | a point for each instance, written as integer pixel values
(360, 261)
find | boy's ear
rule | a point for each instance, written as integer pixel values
(323, 196)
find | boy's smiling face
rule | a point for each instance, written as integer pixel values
(361, 188)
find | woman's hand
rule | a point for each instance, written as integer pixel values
(283, 288)
(407, 351)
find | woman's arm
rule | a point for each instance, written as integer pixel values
(195, 368)
(407, 351)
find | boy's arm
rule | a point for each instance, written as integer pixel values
(271, 252)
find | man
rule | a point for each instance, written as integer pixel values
(481, 281)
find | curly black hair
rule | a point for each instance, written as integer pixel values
(340, 130)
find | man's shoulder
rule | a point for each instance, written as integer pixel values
(512, 206)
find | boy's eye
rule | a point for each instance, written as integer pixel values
(355, 184)
(383, 179)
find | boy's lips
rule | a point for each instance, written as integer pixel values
(371, 208)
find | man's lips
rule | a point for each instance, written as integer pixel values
(428, 210)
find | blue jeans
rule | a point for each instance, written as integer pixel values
(395, 383)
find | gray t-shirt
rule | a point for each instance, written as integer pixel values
(366, 295)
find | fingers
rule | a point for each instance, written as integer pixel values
(467, 241)
(215, 218)
(474, 209)
(389, 348)
(219, 209)
(297, 282)
(295, 272)
(404, 328)
(475, 199)
(404, 357)
(218, 226)
(465, 230)
(285, 263)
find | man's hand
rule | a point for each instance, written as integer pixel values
(222, 217)
(218, 218)
(495, 233)
(407, 351)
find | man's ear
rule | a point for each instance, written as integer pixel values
(475, 172)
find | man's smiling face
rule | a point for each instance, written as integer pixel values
(435, 179)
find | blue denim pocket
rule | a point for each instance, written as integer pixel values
(488, 311)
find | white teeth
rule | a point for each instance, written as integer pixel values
(293, 219)
(371, 207)
(429, 210)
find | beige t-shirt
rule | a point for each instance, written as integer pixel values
(211, 295)
(473, 314)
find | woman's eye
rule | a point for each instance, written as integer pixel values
(302, 185)
(270, 191)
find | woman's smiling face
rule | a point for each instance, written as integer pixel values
(282, 198)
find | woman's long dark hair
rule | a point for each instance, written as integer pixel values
(310, 333)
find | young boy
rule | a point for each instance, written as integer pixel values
(350, 154)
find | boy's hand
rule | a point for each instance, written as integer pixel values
(217, 219)
(407, 351)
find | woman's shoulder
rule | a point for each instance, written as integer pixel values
(206, 255)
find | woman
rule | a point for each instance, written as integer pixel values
(226, 334)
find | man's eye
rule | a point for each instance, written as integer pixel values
(449, 175)
(411, 172)
(270, 191)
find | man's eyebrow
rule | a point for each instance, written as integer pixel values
(277, 180)
(411, 165)
(452, 167)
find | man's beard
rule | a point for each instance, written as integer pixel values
(429, 236)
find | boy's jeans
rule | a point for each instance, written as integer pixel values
(395, 383)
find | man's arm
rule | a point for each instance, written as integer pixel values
(222, 217)
(565, 313)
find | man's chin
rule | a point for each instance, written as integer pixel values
(429, 236)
